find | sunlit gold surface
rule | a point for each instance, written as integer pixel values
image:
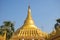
(28, 30)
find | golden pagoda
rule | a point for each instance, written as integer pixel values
(29, 31)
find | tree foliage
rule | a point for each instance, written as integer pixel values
(9, 27)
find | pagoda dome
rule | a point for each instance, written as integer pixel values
(29, 30)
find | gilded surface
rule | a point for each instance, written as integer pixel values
(28, 30)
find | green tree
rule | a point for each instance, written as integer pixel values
(9, 27)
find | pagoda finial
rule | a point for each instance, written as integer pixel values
(29, 17)
(29, 13)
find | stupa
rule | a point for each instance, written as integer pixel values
(28, 31)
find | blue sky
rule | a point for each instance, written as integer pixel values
(44, 12)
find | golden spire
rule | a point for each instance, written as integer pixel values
(29, 20)
(28, 30)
